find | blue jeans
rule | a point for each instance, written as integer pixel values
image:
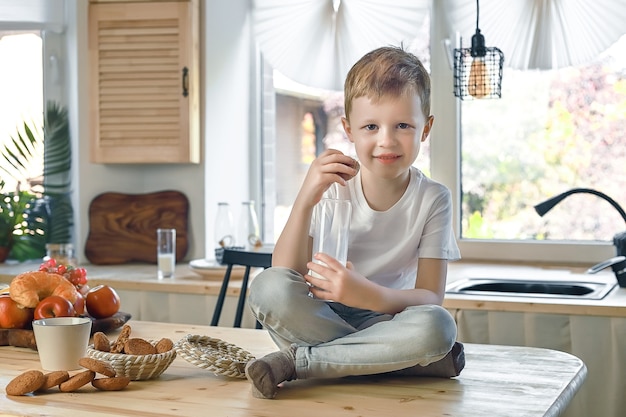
(334, 340)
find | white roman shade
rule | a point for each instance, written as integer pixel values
(542, 34)
(316, 42)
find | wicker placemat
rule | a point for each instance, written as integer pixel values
(220, 357)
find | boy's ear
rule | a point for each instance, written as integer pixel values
(347, 128)
(427, 127)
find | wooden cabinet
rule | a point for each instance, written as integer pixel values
(144, 84)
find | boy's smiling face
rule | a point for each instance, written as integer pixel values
(387, 133)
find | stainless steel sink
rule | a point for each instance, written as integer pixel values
(530, 288)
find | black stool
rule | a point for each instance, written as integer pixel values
(261, 258)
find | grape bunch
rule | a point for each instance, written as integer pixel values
(75, 275)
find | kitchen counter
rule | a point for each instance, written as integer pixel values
(497, 381)
(139, 276)
(142, 277)
(189, 297)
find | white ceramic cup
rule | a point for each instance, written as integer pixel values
(166, 253)
(332, 228)
(61, 342)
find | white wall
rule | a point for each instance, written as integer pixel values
(225, 126)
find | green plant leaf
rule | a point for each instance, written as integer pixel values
(24, 147)
(57, 174)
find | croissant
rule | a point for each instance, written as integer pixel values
(29, 288)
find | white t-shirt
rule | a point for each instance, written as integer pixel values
(385, 245)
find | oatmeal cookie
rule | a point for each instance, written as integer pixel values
(101, 342)
(118, 345)
(138, 346)
(164, 345)
(54, 378)
(26, 382)
(111, 384)
(77, 381)
(98, 366)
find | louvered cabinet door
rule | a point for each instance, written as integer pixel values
(144, 81)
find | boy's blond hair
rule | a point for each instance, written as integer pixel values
(387, 71)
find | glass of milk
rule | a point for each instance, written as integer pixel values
(166, 253)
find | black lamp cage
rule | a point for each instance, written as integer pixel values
(478, 69)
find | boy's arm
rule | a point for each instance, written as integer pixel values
(347, 286)
(431, 279)
(430, 288)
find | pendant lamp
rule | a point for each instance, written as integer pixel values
(478, 69)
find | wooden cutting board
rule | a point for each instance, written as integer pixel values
(122, 227)
(26, 337)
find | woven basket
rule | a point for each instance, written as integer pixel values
(136, 367)
(220, 357)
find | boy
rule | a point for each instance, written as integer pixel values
(385, 314)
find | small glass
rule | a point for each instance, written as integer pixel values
(166, 253)
(332, 229)
(63, 253)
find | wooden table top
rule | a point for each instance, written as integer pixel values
(497, 381)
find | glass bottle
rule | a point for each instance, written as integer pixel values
(224, 226)
(248, 233)
(224, 231)
(63, 253)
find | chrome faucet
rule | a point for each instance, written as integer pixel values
(617, 263)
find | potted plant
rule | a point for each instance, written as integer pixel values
(7, 224)
(47, 204)
(21, 234)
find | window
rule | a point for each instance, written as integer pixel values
(32, 36)
(32, 39)
(551, 131)
(566, 132)
(21, 83)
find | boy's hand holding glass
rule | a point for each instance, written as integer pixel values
(330, 280)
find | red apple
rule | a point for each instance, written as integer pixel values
(79, 304)
(102, 301)
(12, 315)
(54, 306)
